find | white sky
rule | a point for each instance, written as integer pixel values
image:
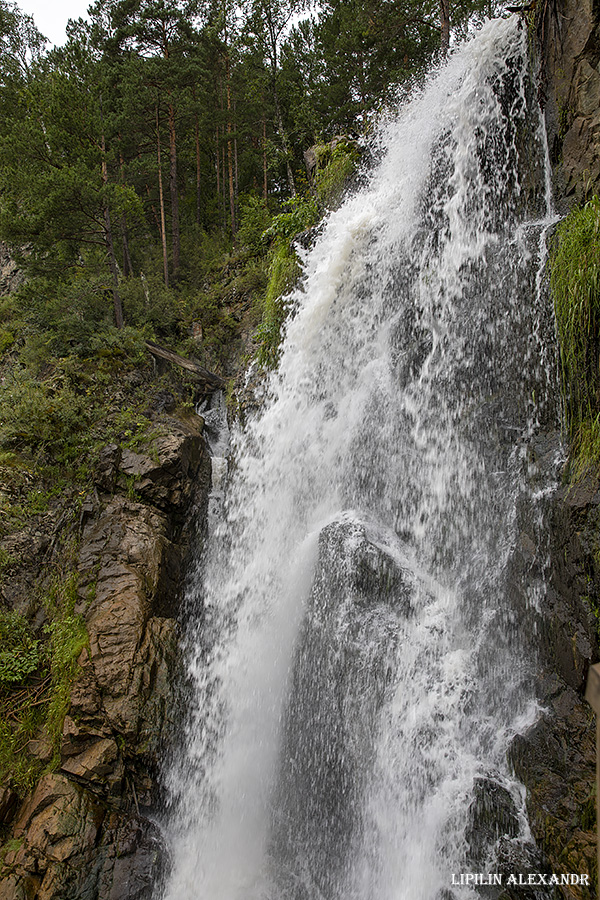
(51, 16)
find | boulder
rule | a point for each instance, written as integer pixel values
(342, 667)
(165, 479)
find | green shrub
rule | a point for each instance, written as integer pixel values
(19, 651)
(7, 339)
(147, 302)
(299, 214)
(38, 413)
(255, 218)
(68, 312)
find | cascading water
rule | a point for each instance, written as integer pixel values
(356, 666)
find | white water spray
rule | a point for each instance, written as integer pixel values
(357, 667)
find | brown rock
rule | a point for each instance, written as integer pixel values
(11, 277)
(73, 845)
(166, 479)
(8, 805)
(41, 748)
(17, 888)
(128, 549)
(51, 789)
(105, 476)
(95, 762)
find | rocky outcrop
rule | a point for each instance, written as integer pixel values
(343, 664)
(569, 39)
(84, 833)
(555, 759)
(11, 277)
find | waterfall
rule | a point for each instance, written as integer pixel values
(357, 665)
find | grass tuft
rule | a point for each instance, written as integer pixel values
(575, 286)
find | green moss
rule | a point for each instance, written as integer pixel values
(36, 677)
(68, 637)
(7, 562)
(22, 700)
(336, 165)
(332, 178)
(7, 339)
(575, 286)
(17, 767)
(283, 274)
(587, 812)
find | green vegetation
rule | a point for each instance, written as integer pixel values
(336, 166)
(36, 675)
(19, 651)
(283, 274)
(575, 285)
(67, 638)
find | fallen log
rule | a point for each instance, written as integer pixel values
(208, 378)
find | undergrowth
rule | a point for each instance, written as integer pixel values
(36, 676)
(335, 168)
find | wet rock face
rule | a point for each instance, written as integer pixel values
(83, 834)
(343, 665)
(555, 759)
(70, 844)
(495, 843)
(569, 33)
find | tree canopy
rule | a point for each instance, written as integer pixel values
(159, 118)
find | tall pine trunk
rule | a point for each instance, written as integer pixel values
(264, 143)
(108, 240)
(229, 150)
(223, 179)
(161, 199)
(198, 175)
(218, 162)
(444, 25)
(174, 193)
(235, 154)
(278, 116)
(127, 265)
(283, 136)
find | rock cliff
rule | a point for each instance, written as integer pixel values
(555, 759)
(85, 831)
(569, 40)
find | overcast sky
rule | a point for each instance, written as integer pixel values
(51, 16)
